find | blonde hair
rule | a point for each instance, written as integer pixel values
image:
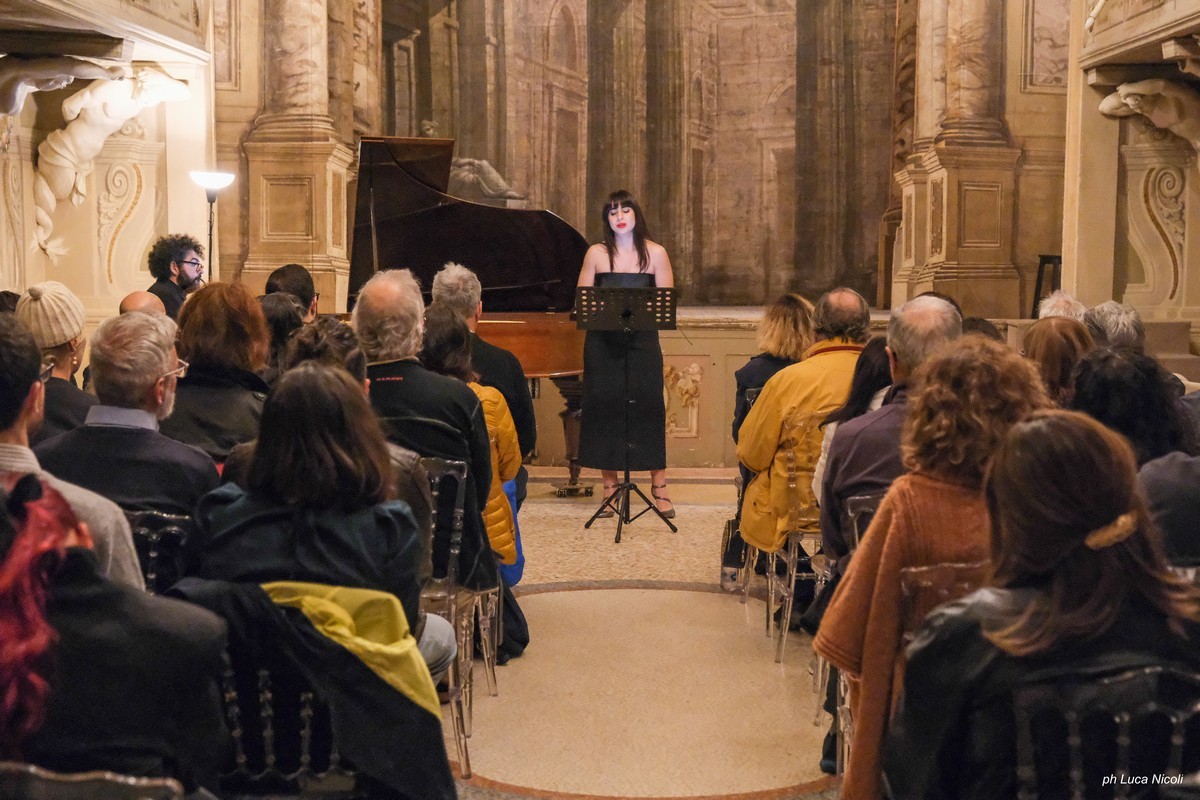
(786, 329)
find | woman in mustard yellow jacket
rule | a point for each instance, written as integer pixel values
(447, 350)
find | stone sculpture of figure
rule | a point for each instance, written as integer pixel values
(21, 75)
(1167, 104)
(93, 114)
(429, 129)
(483, 177)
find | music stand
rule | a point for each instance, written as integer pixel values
(612, 308)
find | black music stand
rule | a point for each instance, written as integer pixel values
(625, 309)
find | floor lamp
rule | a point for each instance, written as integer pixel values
(211, 182)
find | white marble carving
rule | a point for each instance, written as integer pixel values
(1170, 105)
(65, 158)
(681, 394)
(19, 77)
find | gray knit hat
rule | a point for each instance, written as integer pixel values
(52, 312)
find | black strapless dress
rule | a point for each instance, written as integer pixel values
(602, 438)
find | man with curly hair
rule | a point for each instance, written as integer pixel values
(175, 263)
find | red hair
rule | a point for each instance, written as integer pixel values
(43, 528)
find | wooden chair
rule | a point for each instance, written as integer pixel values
(159, 539)
(29, 782)
(456, 605)
(1075, 730)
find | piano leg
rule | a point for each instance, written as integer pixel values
(571, 388)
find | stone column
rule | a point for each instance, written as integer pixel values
(298, 169)
(482, 119)
(368, 66)
(341, 67)
(666, 87)
(931, 70)
(904, 91)
(974, 72)
(971, 169)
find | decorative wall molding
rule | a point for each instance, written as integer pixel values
(681, 393)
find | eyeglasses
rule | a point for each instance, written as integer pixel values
(47, 371)
(180, 371)
(193, 261)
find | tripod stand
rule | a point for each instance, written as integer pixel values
(626, 310)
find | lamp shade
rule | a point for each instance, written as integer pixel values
(211, 180)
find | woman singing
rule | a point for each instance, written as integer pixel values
(627, 259)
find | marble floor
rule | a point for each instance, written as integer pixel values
(643, 679)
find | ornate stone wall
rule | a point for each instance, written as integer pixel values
(1132, 210)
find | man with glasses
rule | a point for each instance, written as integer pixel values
(21, 407)
(178, 271)
(119, 453)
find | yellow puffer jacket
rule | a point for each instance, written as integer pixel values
(781, 441)
(506, 460)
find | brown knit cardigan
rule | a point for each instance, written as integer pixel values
(923, 520)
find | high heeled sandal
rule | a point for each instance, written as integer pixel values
(609, 491)
(670, 512)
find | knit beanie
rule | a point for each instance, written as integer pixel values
(52, 312)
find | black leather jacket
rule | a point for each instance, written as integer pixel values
(953, 734)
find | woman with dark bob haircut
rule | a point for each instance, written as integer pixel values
(1080, 588)
(224, 340)
(317, 505)
(965, 398)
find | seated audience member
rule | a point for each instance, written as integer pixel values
(965, 398)
(295, 280)
(871, 381)
(99, 675)
(1056, 344)
(801, 395)
(1061, 304)
(458, 289)
(331, 342)
(1132, 394)
(983, 327)
(946, 299)
(145, 302)
(1116, 325)
(21, 412)
(56, 318)
(119, 453)
(447, 351)
(316, 507)
(389, 321)
(1170, 485)
(175, 264)
(223, 337)
(784, 333)
(864, 453)
(8, 301)
(1081, 589)
(284, 316)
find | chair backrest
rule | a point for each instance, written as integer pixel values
(925, 588)
(801, 441)
(439, 470)
(282, 735)
(752, 396)
(1074, 733)
(860, 510)
(159, 539)
(30, 782)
